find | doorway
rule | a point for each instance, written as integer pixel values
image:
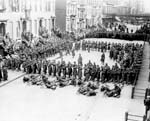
(2, 29)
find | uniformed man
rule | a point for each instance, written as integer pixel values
(64, 69)
(45, 67)
(1, 68)
(75, 70)
(39, 66)
(80, 60)
(54, 69)
(59, 69)
(80, 72)
(103, 58)
(69, 69)
(34, 66)
(50, 68)
(5, 73)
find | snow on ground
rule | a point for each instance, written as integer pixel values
(93, 56)
(21, 102)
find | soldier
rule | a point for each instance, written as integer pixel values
(54, 69)
(64, 69)
(98, 73)
(39, 66)
(13, 64)
(45, 67)
(59, 69)
(19, 64)
(86, 73)
(34, 66)
(29, 68)
(80, 72)
(103, 58)
(80, 60)
(50, 68)
(75, 70)
(69, 69)
(5, 73)
(88, 48)
(1, 69)
(73, 53)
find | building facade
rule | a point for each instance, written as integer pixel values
(137, 6)
(115, 9)
(61, 14)
(17, 16)
(81, 14)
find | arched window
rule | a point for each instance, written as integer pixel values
(24, 26)
(2, 29)
(40, 23)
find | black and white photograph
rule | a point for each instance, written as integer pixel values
(74, 60)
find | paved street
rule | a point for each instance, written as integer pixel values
(144, 74)
(24, 102)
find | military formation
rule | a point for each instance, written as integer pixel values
(128, 58)
(35, 59)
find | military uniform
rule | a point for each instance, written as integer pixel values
(5, 74)
(39, 67)
(50, 69)
(34, 67)
(54, 69)
(103, 58)
(74, 70)
(80, 72)
(69, 70)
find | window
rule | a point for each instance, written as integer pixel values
(48, 5)
(2, 4)
(35, 26)
(14, 5)
(18, 29)
(40, 5)
(30, 25)
(23, 4)
(35, 7)
(46, 23)
(49, 25)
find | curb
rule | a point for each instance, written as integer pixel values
(12, 80)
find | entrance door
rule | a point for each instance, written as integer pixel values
(41, 23)
(53, 23)
(24, 26)
(2, 29)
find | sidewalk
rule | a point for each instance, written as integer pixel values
(142, 82)
(12, 76)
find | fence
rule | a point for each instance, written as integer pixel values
(131, 117)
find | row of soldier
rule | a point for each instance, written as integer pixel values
(87, 72)
(104, 74)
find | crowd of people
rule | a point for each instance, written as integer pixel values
(33, 60)
(88, 76)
